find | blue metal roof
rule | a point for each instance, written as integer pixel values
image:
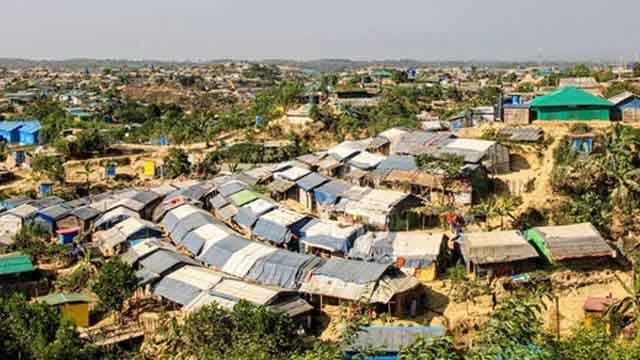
(10, 125)
(329, 192)
(311, 181)
(28, 126)
(31, 127)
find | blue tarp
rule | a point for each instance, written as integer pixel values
(326, 241)
(358, 272)
(330, 192)
(271, 231)
(282, 268)
(193, 242)
(245, 218)
(190, 223)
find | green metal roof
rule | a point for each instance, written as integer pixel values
(64, 298)
(244, 197)
(15, 264)
(569, 96)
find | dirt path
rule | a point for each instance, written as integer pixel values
(542, 192)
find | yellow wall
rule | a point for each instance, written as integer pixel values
(149, 168)
(79, 313)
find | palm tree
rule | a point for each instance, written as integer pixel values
(86, 171)
(629, 306)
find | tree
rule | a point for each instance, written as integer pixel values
(512, 332)
(636, 69)
(247, 332)
(176, 163)
(440, 348)
(115, 283)
(36, 331)
(86, 171)
(525, 87)
(49, 166)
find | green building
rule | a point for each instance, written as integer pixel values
(570, 103)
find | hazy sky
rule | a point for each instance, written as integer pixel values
(357, 29)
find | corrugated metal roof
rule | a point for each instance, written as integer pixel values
(574, 241)
(23, 211)
(282, 268)
(14, 264)
(244, 197)
(358, 272)
(219, 201)
(164, 260)
(85, 213)
(292, 173)
(311, 181)
(229, 188)
(397, 162)
(569, 96)
(173, 217)
(280, 186)
(331, 191)
(121, 213)
(55, 212)
(189, 223)
(243, 260)
(496, 247)
(366, 160)
(196, 239)
(64, 298)
(392, 339)
(228, 212)
(271, 231)
(329, 235)
(217, 253)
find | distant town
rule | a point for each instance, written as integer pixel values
(328, 209)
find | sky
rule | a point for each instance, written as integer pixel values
(430, 30)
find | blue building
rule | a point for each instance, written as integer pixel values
(9, 131)
(26, 132)
(30, 132)
(626, 107)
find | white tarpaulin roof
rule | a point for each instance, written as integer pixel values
(292, 173)
(243, 260)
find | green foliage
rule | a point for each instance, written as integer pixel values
(619, 87)
(31, 240)
(115, 283)
(49, 166)
(636, 70)
(450, 164)
(257, 153)
(87, 143)
(603, 185)
(512, 332)
(579, 70)
(176, 163)
(430, 349)
(525, 87)
(247, 332)
(34, 331)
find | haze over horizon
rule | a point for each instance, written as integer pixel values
(360, 30)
